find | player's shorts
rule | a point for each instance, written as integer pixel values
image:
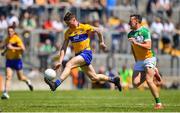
(14, 64)
(87, 55)
(141, 65)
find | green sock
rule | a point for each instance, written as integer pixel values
(157, 100)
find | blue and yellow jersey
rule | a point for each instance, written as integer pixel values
(79, 37)
(14, 54)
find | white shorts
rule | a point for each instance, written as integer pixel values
(149, 62)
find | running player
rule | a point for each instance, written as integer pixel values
(145, 66)
(13, 54)
(78, 34)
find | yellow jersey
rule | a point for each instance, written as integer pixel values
(14, 54)
(79, 37)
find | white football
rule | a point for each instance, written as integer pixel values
(50, 74)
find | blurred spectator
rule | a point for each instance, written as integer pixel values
(168, 30)
(110, 4)
(28, 22)
(57, 28)
(3, 26)
(45, 50)
(169, 27)
(176, 37)
(118, 34)
(156, 29)
(126, 77)
(47, 25)
(40, 10)
(50, 34)
(150, 6)
(12, 19)
(167, 36)
(27, 3)
(163, 8)
(81, 78)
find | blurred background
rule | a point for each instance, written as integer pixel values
(40, 25)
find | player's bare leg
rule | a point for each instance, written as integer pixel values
(24, 78)
(157, 74)
(138, 78)
(74, 62)
(9, 73)
(154, 90)
(89, 70)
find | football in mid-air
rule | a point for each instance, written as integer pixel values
(50, 74)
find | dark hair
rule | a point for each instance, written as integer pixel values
(68, 16)
(12, 27)
(137, 16)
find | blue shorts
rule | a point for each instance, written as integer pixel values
(14, 64)
(87, 55)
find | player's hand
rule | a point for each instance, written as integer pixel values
(9, 46)
(103, 46)
(57, 66)
(133, 40)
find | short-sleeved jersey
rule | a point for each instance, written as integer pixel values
(15, 41)
(79, 37)
(141, 35)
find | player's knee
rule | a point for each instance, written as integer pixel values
(8, 77)
(21, 77)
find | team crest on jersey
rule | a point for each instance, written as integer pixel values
(140, 39)
(75, 38)
(81, 30)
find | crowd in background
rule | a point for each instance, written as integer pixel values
(46, 17)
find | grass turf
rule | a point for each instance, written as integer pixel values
(89, 101)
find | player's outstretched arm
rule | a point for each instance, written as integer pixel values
(101, 38)
(62, 54)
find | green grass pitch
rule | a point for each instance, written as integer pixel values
(89, 101)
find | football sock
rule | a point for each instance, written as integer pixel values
(57, 82)
(28, 82)
(157, 100)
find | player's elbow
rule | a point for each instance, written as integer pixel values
(149, 47)
(23, 49)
